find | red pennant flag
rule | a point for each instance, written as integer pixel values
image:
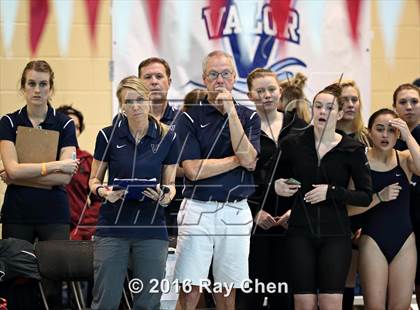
(215, 10)
(38, 14)
(353, 10)
(154, 17)
(92, 9)
(280, 11)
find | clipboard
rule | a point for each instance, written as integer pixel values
(34, 145)
(134, 187)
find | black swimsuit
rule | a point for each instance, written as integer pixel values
(388, 223)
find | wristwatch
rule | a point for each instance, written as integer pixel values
(97, 190)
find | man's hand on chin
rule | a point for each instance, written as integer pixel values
(224, 99)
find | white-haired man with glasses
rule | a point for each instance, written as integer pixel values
(221, 145)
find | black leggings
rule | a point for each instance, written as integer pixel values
(267, 263)
(34, 231)
(318, 265)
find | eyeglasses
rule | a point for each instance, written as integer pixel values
(353, 99)
(213, 75)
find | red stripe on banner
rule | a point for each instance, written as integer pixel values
(38, 14)
(353, 10)
(280, 11)
(92, 9)
(215, 10)
(154, 16)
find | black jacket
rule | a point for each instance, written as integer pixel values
(264, 197)
(17, 259)
(347, 160)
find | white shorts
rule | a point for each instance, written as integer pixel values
(213, 230)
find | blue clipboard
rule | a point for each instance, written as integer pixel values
(134, 187)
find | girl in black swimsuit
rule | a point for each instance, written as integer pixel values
(387, 261)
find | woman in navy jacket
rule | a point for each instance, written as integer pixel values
(137, 147)
(31, 212)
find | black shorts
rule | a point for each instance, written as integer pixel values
(318, 265)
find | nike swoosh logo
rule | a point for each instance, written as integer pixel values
(204, 126)
(121, 146)
(397, 174)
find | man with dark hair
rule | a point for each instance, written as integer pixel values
(156, 74)
(151, 60)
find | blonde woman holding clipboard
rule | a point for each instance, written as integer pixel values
(138, 147)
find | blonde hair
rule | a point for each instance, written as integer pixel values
(359, 129)
(134, 83)
(298, 80)
(292, 90)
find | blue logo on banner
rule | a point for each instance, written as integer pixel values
(264, 32)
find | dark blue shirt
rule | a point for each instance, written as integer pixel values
(133, 219)
(28, 205)
(204, 134)
(415, 180)
(170, 116)
(401, 145)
